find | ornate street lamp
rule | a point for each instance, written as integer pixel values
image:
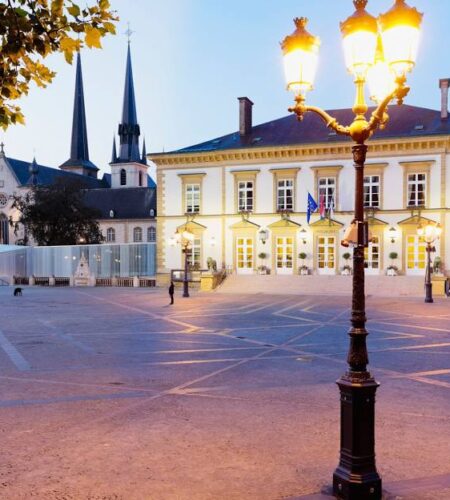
(430, 233)
(185, 238)
(387, 44)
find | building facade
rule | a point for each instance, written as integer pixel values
(244, 195)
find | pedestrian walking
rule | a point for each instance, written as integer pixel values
(171, 292)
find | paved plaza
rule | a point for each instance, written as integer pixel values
(113, 394)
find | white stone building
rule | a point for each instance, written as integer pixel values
(245, 194)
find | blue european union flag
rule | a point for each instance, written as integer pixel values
(312, 207)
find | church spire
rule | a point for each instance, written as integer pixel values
(144, 153)
(129, 129)
(79, 151)
(33, 169)
(79, 147)
(114, 151)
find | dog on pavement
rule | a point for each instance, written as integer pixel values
(17, 292)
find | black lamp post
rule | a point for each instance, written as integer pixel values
(381, 52)
(185, 238)
(429, 233)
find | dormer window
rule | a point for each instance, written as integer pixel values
(123, 177)
(112, 214)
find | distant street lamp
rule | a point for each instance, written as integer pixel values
(381, 51)
(185, 238)
(430, 233)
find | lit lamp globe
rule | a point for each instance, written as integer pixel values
(359, 32)
(380, 77)
(300, 56)
(400, 32)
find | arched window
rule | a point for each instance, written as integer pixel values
(4, 230)
(123, 177)
(151, 234)
(111, 235)
(137, 234)
(140, 179)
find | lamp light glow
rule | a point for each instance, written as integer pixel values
(380, 77)
(301, 54)
(400, 32)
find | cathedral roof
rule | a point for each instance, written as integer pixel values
(126, 203)
(48, 175)
(405, 122)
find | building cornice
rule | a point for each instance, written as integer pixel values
(306, 152)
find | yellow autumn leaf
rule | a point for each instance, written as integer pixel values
(93, 36)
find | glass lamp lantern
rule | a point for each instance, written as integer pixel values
(359, 32)
(430, 232)
(400, 32)
(380, 77)
(300, 54)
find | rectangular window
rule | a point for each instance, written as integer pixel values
(194, 258)
(285, 194)
(245, 196)
(327, 190)
(417, 184)
(192, 198)
(372, 191)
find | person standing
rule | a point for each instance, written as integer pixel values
(171, 292)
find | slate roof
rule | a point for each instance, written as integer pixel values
(127, 203)
(48, 175)
(405, 121)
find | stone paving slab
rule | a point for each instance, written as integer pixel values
(113, 394)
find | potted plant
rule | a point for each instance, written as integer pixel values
(303, 268)
(263, 269)
(346, 269)
(392, 270)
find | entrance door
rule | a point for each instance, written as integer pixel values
(372, 256)
(415, 254)
(244, 249)
(284, 253)
(326, 249)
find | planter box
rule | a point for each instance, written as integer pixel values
(304, 272)
(391, 272)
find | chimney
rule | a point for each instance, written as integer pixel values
(245, 116)
(444, 84)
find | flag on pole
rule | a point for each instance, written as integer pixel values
(331, 207)
(322, 208)
(312, 207)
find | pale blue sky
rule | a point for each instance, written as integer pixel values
(193, 58)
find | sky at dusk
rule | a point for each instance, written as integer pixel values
(193, 58)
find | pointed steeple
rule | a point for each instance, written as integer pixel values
(33, 169)
(144, 154)
(79, 151)
(114, 151)
(129, 129)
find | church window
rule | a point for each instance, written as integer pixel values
(111, 235)
(140, 179)
(151, 234)
(4, 230)
(137, 234)
(123, 177)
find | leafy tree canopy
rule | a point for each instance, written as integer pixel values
(30, 30)
(56, 215)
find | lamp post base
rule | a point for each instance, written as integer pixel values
(185, 289)
(356, 477)
(428, 293)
